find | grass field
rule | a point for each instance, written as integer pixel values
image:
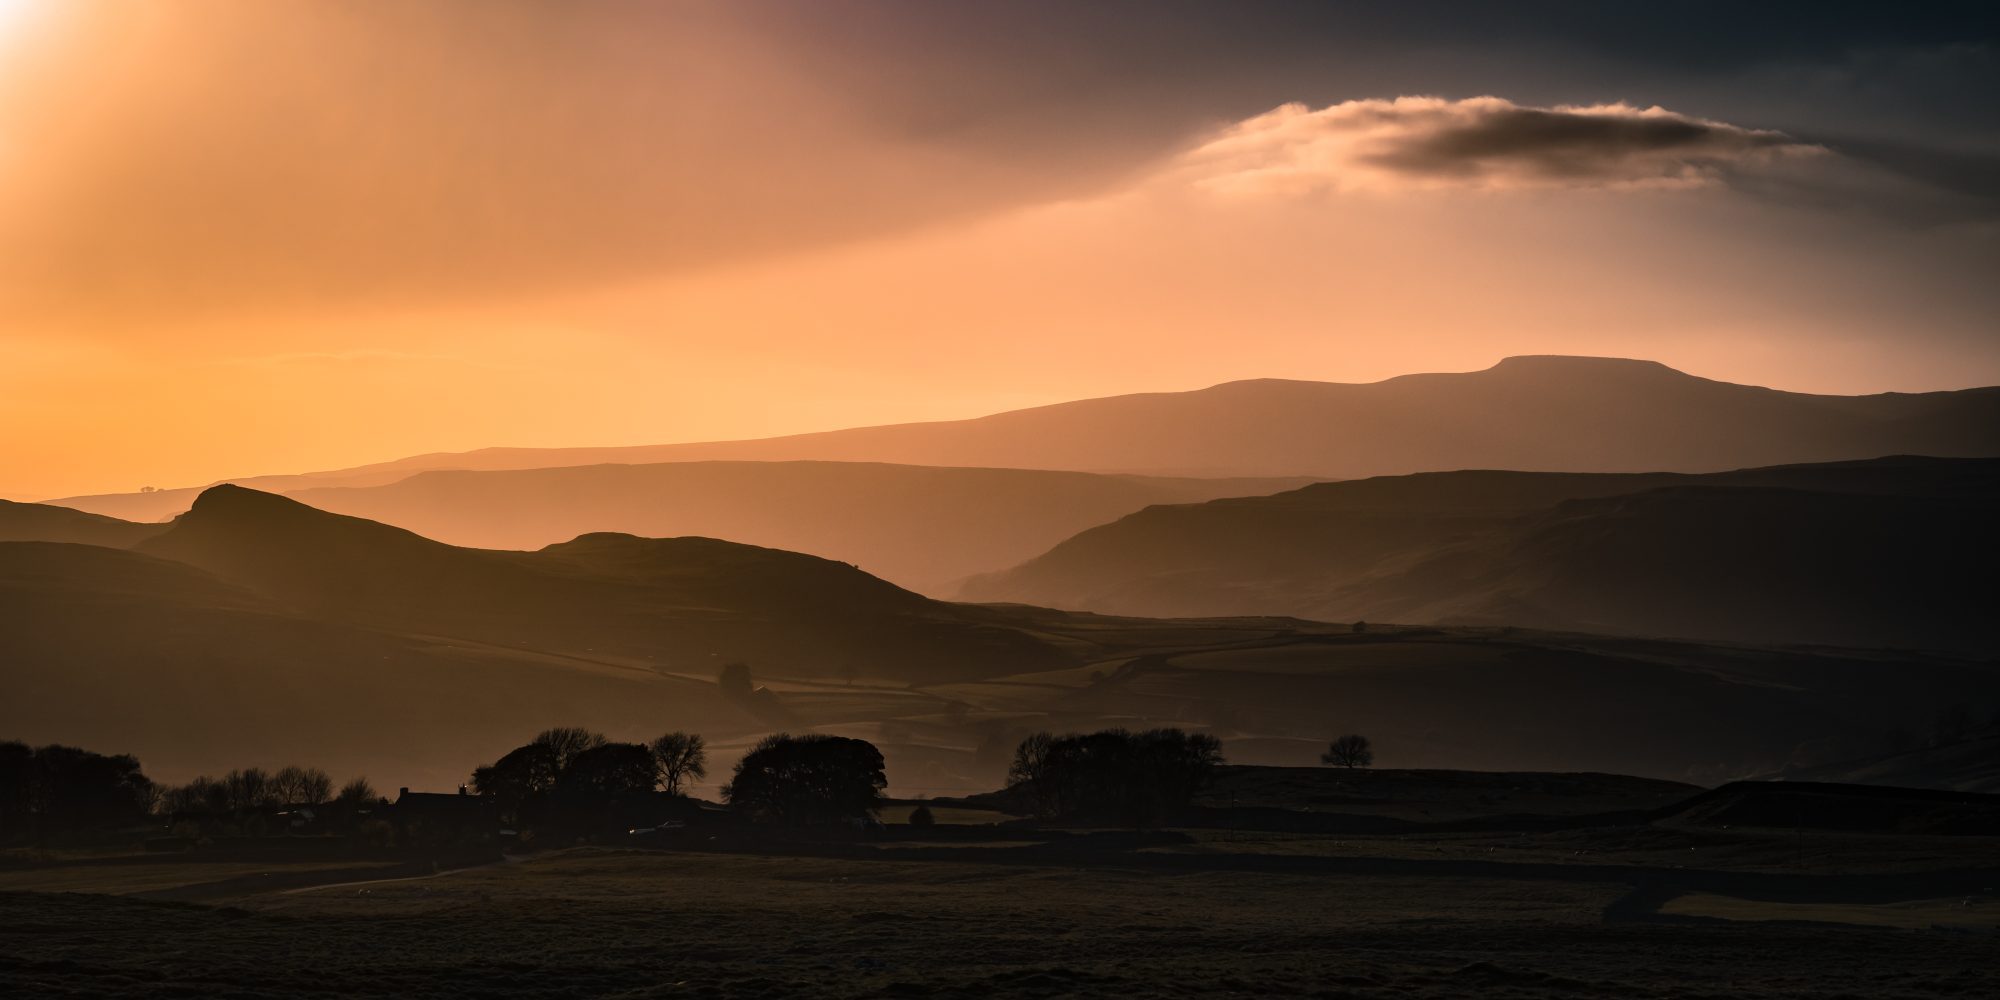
(597, 922)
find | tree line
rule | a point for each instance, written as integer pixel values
(1114, 775)
(59, 791)
(571, 780)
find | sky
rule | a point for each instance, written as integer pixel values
(240, 239)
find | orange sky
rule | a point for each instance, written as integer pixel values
(247, 239)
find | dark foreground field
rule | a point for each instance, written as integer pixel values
(1640, 912)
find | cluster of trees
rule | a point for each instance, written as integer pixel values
(254, 790)
(573, 780)
(1115, 775)
(248, 800)
(57, 791)
(811, 780)
(570, 775)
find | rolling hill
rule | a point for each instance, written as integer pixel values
(122, 651)
(1890, 552)
(1543, 413)
(921, 527)
(677, 604)
(35, 522)
(256, 630)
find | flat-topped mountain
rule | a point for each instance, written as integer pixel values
(1537, 413)
(1891, 552)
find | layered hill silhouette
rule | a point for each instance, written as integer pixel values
(257, 630)
(34, 522)
(674, 604)
(921, 527)
(1546, 413)
(113, 648)
(1891, 552)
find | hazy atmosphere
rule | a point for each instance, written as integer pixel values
(312, 234)
(1106, 498)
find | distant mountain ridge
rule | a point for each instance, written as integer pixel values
(1890, 552)
(1536, 413)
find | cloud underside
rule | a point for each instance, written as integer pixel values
(1485, 142)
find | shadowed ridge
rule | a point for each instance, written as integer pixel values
(716, 567)
(1886, 553)
(37, 522)
(336, 565)
(679, 602)
(106, 573)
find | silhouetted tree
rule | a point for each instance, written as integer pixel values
(524, 771)
(202, 798)
(808, 780)
(17, 771)
(1358, 627)
(567, 742)
(357, 793)
(248, 790)
(354, 798)
(1351, 750)
(1114, 774)
(921, 817)
(678, 758)
(301, 786)
(1030, 768)
(57, 790)
(609, 769)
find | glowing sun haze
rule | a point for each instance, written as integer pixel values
(253, 238)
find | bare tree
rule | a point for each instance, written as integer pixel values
(356, 793)
(1351, 750)
(301, 786)
(1031, 768)
(679, 757)
(248, 789)
(567, 742)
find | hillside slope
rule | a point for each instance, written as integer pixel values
(1889, 552)
(683, 604)
(36, 522)
(129, 653)
(921, 527)
(363, 648)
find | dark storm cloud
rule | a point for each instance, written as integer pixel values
(1485, 142)
(1581, 144)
